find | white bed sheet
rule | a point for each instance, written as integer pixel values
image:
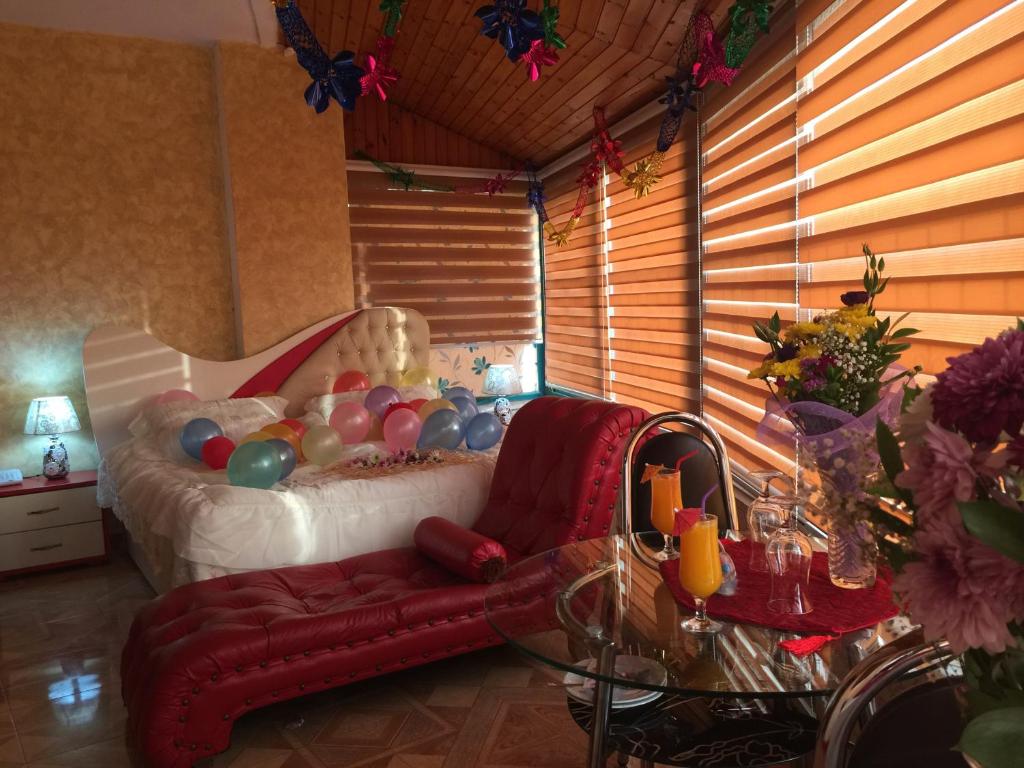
(191, 524)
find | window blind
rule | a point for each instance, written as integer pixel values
(467, 262)
(654, 333)
(575, 293)
(911, 138)
(748, 237)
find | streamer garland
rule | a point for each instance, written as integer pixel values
(525, 35)
(340, 78)
(402, 177)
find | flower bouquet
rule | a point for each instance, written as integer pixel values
(831, 379)
(960, 559)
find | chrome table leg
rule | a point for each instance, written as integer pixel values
(602, 707)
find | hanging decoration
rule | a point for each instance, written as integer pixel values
(710, 64)
(749, 18)
(340, 77)
(402, 177)
(525, 35)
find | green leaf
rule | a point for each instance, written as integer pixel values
(910, 394)
(775, 323)
(894, 348)
(892, 458)
(902, 332)
(995, 739)
(1020, 324)
(881, 264)
(993, 524)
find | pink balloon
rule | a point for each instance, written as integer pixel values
(351, 421)
(402, 430)
(175, 394)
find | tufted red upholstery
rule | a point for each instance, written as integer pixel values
(203, 654)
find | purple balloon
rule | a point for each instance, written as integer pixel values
(380, 398)
(452, 392)
(466, 407)
(483, 432)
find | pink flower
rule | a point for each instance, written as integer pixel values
(940, 473)
(961, 589)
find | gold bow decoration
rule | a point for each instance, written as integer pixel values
(645, 174)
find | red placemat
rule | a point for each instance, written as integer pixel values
(836, 610)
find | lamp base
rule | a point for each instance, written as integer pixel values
(56, 464)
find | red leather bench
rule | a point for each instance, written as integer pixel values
(206, 653)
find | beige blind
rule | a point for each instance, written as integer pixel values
(575, 293)
(468, 262)
(748, 239)
(654, 334)
(911, 138)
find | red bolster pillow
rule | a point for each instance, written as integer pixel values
(460, 550)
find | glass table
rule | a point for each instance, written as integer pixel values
(599, 611)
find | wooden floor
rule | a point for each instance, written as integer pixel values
(60, 704)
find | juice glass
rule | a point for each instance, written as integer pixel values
(700, 570)
(666, 498)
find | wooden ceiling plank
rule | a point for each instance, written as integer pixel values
(632, 22)
(589, 16)
(412, 47)
(439, 65)
(610, 19)
(356, 23)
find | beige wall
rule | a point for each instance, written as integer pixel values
(289, 193)
(112, 209)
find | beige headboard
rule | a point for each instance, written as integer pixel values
(125, 369)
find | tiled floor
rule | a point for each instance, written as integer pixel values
(60, 705)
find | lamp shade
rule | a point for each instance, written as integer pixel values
(502, 380)
(51, 416)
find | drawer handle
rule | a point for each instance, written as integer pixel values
(45, 547)
(43, 511)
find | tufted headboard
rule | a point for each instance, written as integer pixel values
(125, 368)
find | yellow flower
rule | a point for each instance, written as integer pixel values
(790, 369)
(803, 331)
(761, 371)
(809, 350)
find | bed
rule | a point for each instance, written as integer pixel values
(186, 523)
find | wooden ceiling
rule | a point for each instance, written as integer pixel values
(618, 52)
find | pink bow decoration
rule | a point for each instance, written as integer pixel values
(539, 55)
(380, 75)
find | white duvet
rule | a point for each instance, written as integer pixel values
(315, 515)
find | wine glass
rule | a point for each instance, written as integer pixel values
(700, 570)
(666, 500)
(788, 554)
(763, 517)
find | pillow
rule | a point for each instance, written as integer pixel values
(237, 416)
(325, 404)
(464, 552)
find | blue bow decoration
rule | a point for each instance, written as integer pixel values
(512, 25)
(535, 196)
(338, 77)
(679, 94)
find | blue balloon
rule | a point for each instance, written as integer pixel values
(467, 407)
(483, 432)
(287, 453)
(197, 432)
(453, 392)
(442, 429)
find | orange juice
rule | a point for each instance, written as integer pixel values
(666, 498)
(700, 568)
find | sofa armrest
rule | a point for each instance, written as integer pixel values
(460, 550)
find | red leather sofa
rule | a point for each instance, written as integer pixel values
(202, 655)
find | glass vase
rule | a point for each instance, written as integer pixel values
(852, 549)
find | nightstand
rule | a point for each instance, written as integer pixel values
(50, 523)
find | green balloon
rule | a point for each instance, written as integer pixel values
(254, 465)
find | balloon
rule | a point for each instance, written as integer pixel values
(379, 398)
(286, 452)
(432, 406)
(172, 395)
(466, 407)
(197, 432)
(418, 403)
(402, 430)
(296, 426)
(351, 421)
(376, 433)
(265, 393)
(322, 445)
(256, 437)
(351, 381)
(397, 407)
(483, 431)
(216, 451)
(451, 392)
(419, 377)
(254, 465)
(442, 429)
(286, 433)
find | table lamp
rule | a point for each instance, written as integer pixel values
(53, 416)
(502, 380)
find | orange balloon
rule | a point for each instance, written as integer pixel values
(260, 435)
(376, 432)
(288, 434)
(431, 406)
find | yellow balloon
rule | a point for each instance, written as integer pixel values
(419, 376)
(252, 437)
(287, 434)
(322, 445)
(432, 406)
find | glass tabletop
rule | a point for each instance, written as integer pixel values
(562, 606)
